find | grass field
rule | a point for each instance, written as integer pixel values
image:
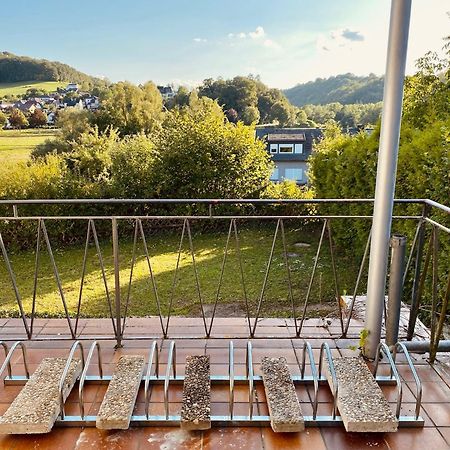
(21, 87)
(16, 145)
(209, 247)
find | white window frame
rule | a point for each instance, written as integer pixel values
(298, 148)
(273, 148)
(290, 146)
(289, 169)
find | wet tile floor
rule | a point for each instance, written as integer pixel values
(187, 334)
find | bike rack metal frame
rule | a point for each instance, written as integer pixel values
(153, 377)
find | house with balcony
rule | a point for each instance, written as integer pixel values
(290, 149)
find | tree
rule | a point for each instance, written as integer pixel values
(132, 167)
(250, 115)
(251, 99)
(17, 119)
(73, 123)
(202, 155)
(38, 118)
(3, 119)
(131, 109)
(90, 158)
(427, 93)
(180, 99)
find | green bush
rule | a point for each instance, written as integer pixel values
(202, 155)
(132, 167)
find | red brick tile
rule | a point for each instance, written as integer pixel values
(57, 439)
(425, 373)
(445, 431)
(91, 438)
(239, 409)
(409, 409)
(416, 439)
(433, 392)
(338, 439)
(7, 442)
(390, 392)
(233, 438)
(307, 439)
(220, 393)
(438, 412)
(169, 438)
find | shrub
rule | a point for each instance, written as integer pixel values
(132, 167)
(202, 155)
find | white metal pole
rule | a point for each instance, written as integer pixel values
(386, 171)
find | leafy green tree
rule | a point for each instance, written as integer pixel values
(132, 167)
(73, 123)
(131, 109)
(180, 99)
(90, 158)
(245, 95)
(427, 93)
(250, 115)
(38, 118)
(203, 155)
(17, 119)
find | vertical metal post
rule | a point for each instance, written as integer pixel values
(386, 171)
(398, 252)
(115, 243)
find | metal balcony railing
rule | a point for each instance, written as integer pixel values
(137, 214)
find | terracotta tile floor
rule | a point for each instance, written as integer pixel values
(435, 405)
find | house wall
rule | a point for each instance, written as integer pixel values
(283, 170)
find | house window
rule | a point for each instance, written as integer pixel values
(293, 174)
(286, 148)
(298, 148)
(274, 176)
(273, 148)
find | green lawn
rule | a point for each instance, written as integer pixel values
(21, 87)
(255, 248)
(16, 145)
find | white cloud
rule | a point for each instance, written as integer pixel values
(258, 33)
(259, 36)
(338, 39)
(197, 39)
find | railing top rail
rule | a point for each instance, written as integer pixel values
(437, 205)
(210, 201)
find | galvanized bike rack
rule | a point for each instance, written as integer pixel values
(153, 377)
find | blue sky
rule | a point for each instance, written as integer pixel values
(181, 41)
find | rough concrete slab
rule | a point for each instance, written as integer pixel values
(118, 404)
(361, 402)
(284, 407)
(37, 406)
(196, 408)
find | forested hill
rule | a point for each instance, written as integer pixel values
(345, 89)
(15, 68)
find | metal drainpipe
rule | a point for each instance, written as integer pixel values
(398, 252)
(386, 171)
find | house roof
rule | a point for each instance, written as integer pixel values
(285, 137)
